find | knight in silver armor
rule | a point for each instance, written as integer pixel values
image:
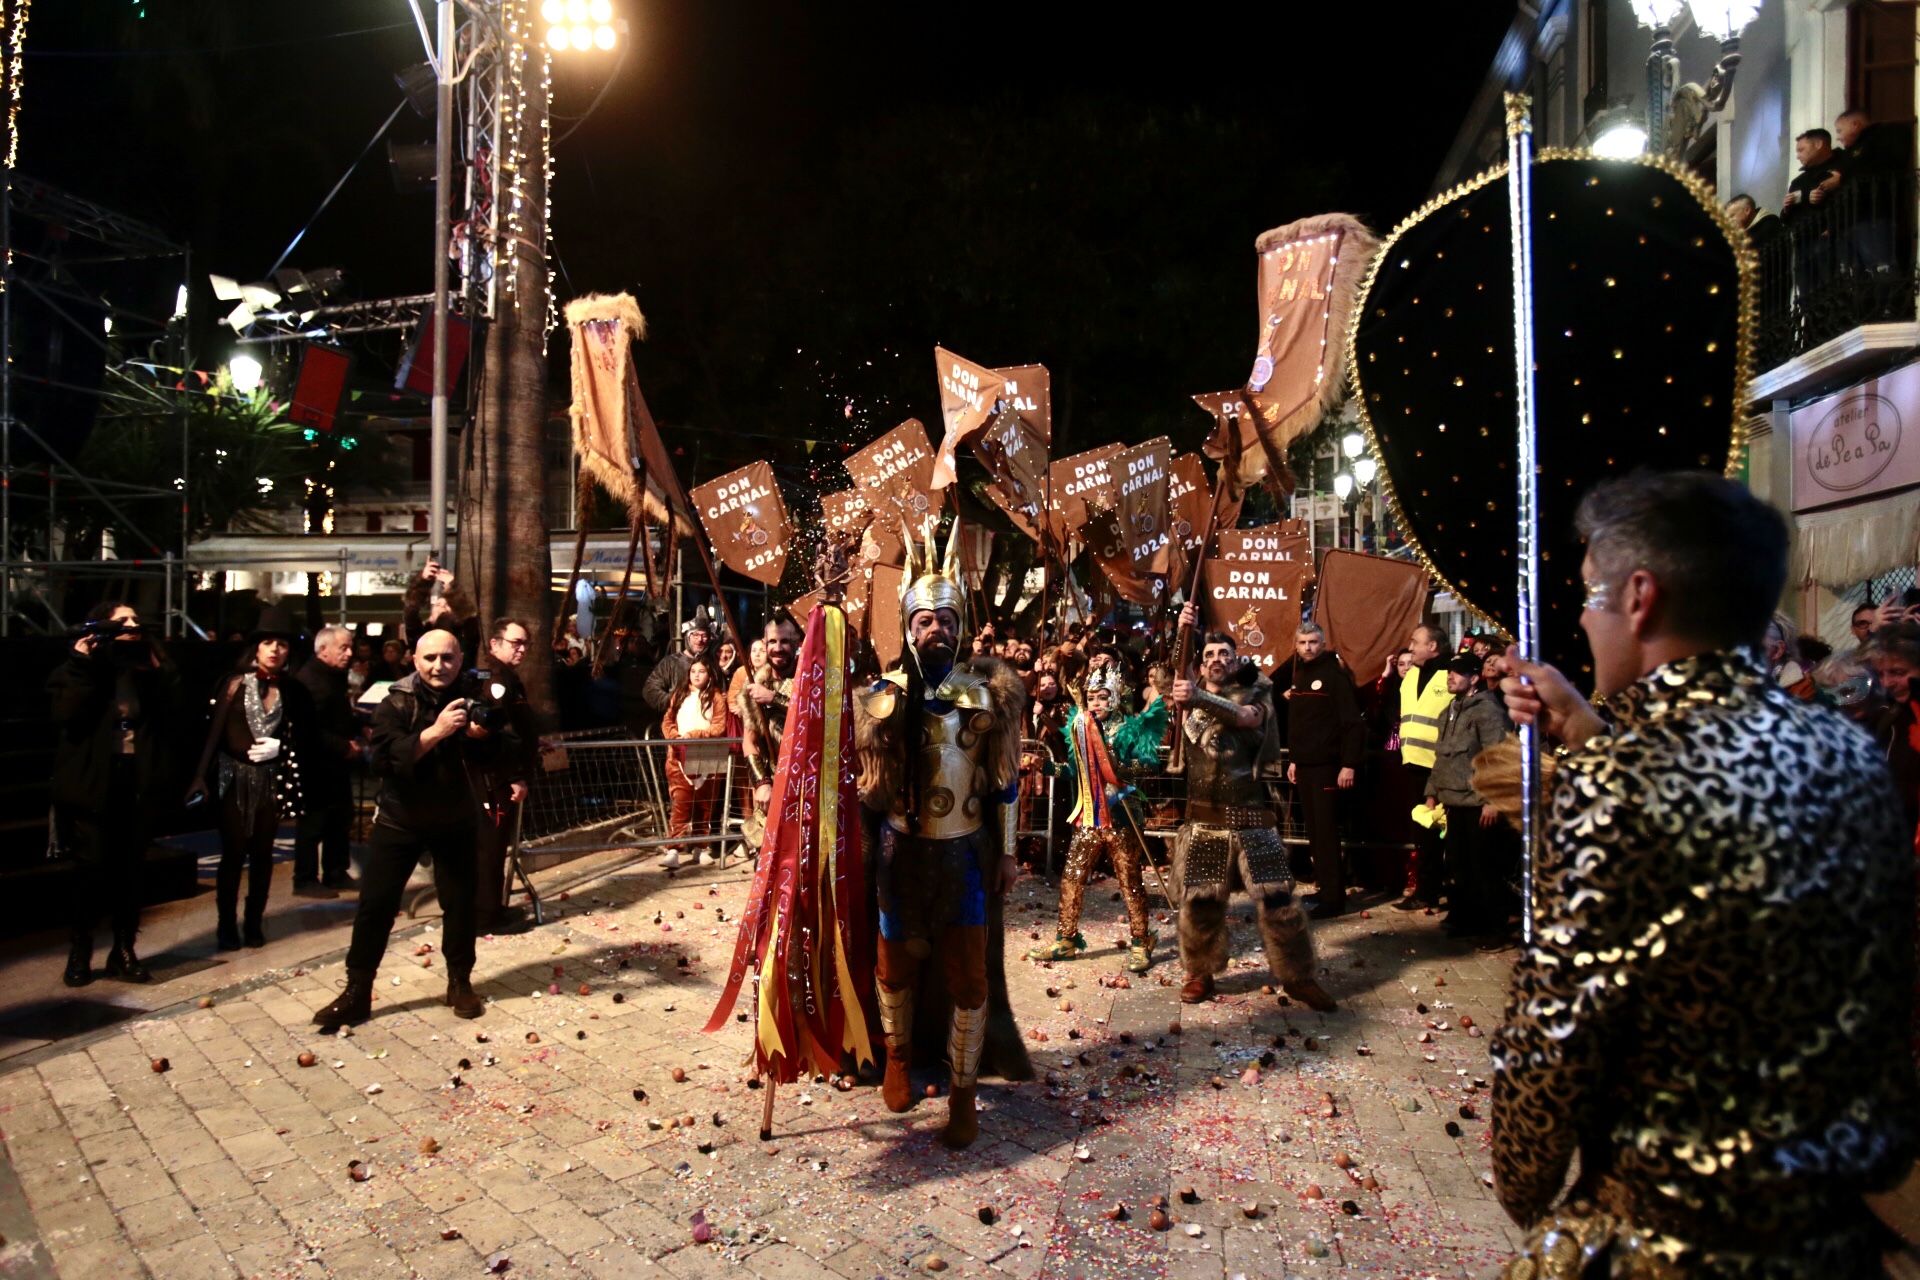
(1229, 839)
(939, 755)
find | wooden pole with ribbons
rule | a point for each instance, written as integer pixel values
(1527, 597)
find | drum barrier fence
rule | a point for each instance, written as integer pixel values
(603, 790)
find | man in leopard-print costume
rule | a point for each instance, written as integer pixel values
(1713, 1007)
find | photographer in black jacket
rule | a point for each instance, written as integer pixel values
(431, 756)
(113, 700)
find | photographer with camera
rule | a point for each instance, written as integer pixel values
(113, 700)
(497, 687)
(432, 757)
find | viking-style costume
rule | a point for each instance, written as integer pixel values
(1106, 819)
(940, 756)
(1229, 840)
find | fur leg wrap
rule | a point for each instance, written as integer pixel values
(1203, 932)
(1283, 933)
(965, 1036)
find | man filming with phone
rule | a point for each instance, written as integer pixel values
(432, 756)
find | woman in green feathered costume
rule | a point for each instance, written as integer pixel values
(1103, 750)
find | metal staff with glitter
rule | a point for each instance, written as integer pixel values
(1527, 429)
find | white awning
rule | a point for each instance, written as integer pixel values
(1840, 547)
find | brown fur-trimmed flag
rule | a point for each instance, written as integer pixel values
(613, 432)
(1311, 273)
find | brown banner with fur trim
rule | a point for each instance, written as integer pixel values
(1310, 277)
(1257, 604)
(746, 520)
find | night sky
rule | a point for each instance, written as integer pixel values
(804, 199)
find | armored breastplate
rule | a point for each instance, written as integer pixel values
(1221, 762)
(950, 773)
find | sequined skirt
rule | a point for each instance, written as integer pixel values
(1582, 1241)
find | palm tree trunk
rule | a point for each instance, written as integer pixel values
(503, 526)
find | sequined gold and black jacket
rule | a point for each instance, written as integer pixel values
(1715, 1006)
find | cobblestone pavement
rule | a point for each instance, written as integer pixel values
(583, 1123)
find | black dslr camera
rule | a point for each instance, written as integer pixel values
(486, 699)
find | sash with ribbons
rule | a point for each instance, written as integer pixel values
(1094, 774)
(805, 932)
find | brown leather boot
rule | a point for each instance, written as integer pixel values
(1199, 989)
(1312, 994)
(963, 1126)
(353, 1006)
(461, 999)
(896, 1089)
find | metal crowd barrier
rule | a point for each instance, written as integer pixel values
(602, 790)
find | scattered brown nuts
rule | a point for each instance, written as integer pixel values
(429, 1147)
(1159, 1220)
(533, 1037)
(935, 1262)
(358, 1170)
(306, 1059)
(1250, 1210)
(1116, 1213)
(1189, 1196)
(159, 1065)
(987, 1214)
(1343, 1161)
(679, 1075)
(1313, 1192)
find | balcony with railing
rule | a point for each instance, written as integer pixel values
(1836, 287)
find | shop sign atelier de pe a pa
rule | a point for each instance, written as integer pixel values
(1859, 443)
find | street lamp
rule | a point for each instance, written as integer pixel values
(1722, 19)
(1364, 470)
(1617, 135)
(1353, 444)
(1343, 486)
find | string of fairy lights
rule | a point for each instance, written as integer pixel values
(13, 30)
(16, 27)
(515, 160)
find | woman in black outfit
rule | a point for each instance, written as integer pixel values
(260, 718)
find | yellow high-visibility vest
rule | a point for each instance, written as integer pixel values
(1420, 716)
